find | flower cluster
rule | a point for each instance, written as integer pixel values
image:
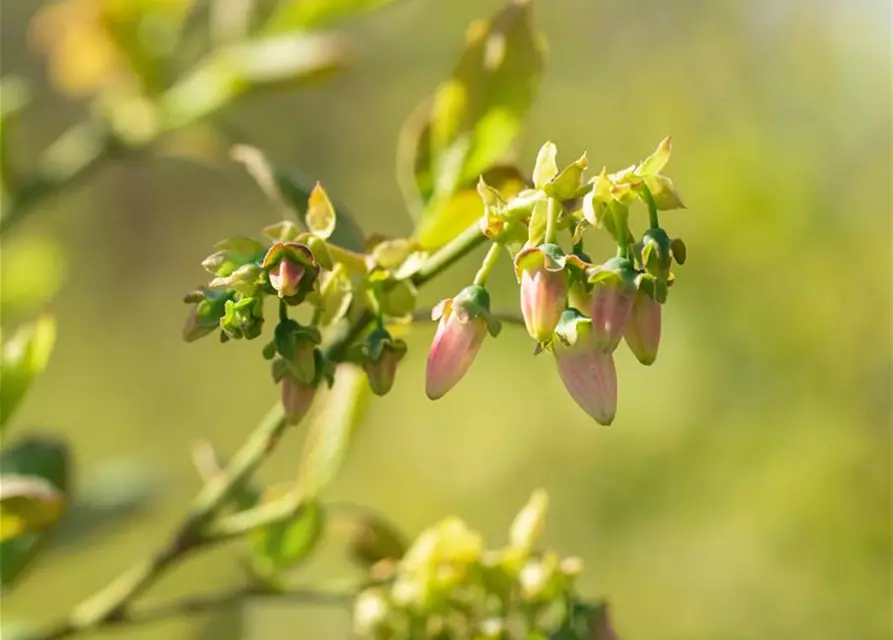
(448, 585)
(578, 309)
(297, 269)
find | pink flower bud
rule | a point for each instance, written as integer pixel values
(543, 292)
(464, 323)
(286, 278)
(610, 308)
(382, 370)
(642, 332)
(588, 374)
(297, 399)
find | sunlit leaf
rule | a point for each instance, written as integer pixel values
(476, 114)
(291, 193)
(664, 193)
(286, 544)
(652, 165)
(33, 272)
(546, 166)
(28, 504)
(43, 457)
(320, 216)
(23, 357)
(329, 436)
(292, 15)
(455, 214)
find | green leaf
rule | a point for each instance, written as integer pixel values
(664, 193)
(285, 545)
(452, 216)
(652, 165)
(293, 15)
(328, 438)
(288, 191)
(28, 504)
(390, 254)
(546, 167)
(23, 357)
(336, 294)
(44, 457)
(476, 114)
(33, 272)
(320, 216)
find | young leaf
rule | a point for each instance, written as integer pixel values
(286, 544)
(22, 359)
(288, 191)
(327, 440)
(320, 216)
(48, 459)
(476, 114)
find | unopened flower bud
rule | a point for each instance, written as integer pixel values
(642, 333)
(587, 371)
(464, 323)
(204, 317)
(381, 354)
(243, 318)
(297, 398)
(292, 270)
(611, 302)
(543, 290)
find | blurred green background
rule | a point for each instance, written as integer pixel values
(744, 490)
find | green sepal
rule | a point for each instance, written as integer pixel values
(572, 326)
(654, 288)
(568, 184)
(656, 252)
(470, 303)
(243, 318)
(618, 271)
(269, 351)
(677, 248)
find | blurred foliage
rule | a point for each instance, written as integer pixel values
(746, 492)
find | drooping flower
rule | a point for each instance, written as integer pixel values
(585, 368)
(540, 271)
(292, 270)
(297, 398)
(611, 301)
(465, 321)
(381, 354)
(642, 333)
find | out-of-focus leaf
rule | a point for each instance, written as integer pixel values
(23, 357)
(336, 293)
(268, 63)
(375, 539)
(329, 435)
(33, 271)
(47, 458)
(285, 545)
(476, 114)
(292, 15)
(115, 492)
(291, 196)
(454, 215)
(28, 504)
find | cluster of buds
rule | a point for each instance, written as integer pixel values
(296, 268)
(447, 584)
(579, 310)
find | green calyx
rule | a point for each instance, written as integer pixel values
(470, 303)
(548, 256)
(654, 288)
(210, 307)
(380, 342)
(656, 252)
(617, 271)
(242, 318)
(296, 344)
(572, 326)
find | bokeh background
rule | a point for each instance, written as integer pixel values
(744, 490)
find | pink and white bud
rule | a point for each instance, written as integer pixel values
(610, 308)
(543, 291)
(455, 345)
(642, 333)
(286, 278)
(589, 376)
(297, 398)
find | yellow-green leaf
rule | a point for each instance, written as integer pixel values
(652, 165)
(546, 167)
(455, 214)
(664, 193)
(292, 15)
(476, 114)
(33, 271)
(320, 213)
(286, 544)
(28, 504)
(23, 357)
(328, 438)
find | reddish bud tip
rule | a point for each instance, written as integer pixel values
(455, 346)
(286, 278)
